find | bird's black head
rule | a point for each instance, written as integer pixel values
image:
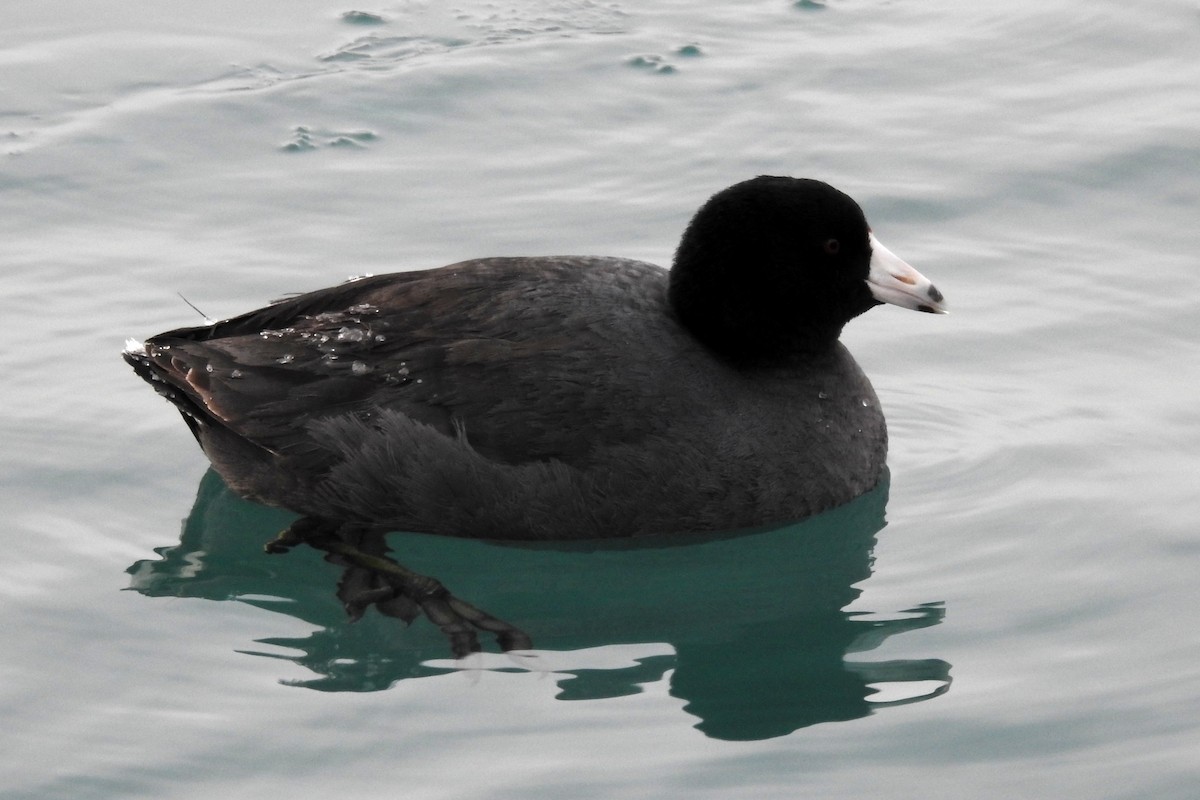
(772, 267)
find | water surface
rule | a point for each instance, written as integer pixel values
(1007, 618)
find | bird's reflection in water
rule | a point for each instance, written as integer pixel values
(750, 627)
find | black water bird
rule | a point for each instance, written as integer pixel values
(562, 397)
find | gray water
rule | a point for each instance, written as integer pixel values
(1010, 617)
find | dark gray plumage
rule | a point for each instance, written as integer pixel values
(562, 397)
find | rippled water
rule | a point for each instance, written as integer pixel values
(1018, 626)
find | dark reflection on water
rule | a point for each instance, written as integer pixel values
(755, 621)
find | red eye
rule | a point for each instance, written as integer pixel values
(832, 246)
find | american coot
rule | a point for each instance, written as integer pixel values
(562, 397)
